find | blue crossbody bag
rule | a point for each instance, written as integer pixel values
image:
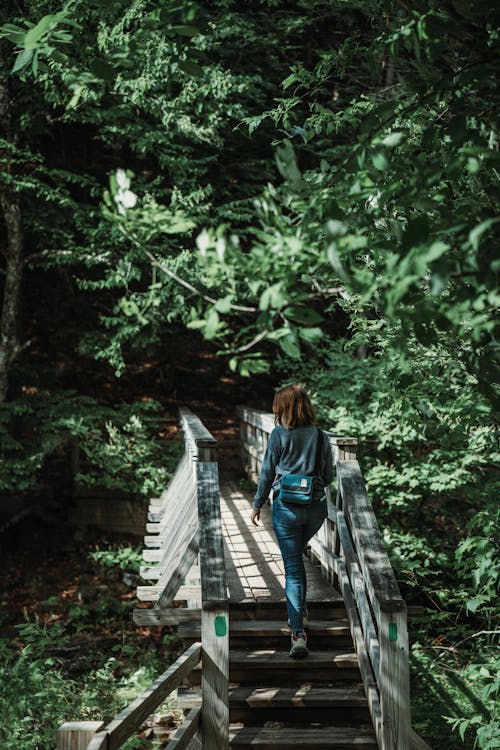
(298, 488)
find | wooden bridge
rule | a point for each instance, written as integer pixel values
(236, 681)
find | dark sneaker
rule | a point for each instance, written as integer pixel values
(299, 644)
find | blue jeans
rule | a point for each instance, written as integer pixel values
(294, 525)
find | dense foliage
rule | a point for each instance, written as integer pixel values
(311, 186)
(427, 454)
(50, 675)
(118, 445)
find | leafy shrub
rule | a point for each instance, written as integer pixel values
(119, 446)
(37, 694)
(129, 558)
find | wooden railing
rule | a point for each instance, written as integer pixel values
(352, 556)
(94, 735)
(184, 525)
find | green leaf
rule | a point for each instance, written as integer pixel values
(433, 251)
(272, 297)
(13, 33)
(287, 162)
(212, 324)
(78, 91)
(278, 333)
(380, 160)
(473, 604)
(290, 347)
(476, 233)
(37, 32)
(310, 335)
(438, 282)
(179, 225)
(302, 314)
(393, 139)
(191, 68)
(10, 28)
(472, 165)
(336, 228)
(22, 60)
(253, 122)
(59, 56)
(196, 324)
(223, 305)
(336, 262)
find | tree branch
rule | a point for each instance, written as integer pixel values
(182, 282)
(37, 257)
(254, 341)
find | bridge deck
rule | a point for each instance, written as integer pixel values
(254, 568)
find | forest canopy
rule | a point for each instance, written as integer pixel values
(310, 186)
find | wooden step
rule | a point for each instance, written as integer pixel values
(276, 667)
(306, 696)
(271, 658)
(333, 609)
(322, 738)
(256, 705)
(271, 666)
(263, 628)
(322, 633)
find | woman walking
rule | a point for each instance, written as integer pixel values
(296, 446)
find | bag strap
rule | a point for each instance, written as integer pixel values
(319, 445)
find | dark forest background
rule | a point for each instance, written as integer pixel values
(201, 201)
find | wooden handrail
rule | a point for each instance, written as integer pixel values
(215, 604)
(352, 555)
(129, 720)
(373, 559)
(134, 714)
(203, 444)
(186, 731)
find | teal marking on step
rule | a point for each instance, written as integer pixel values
(220, 624)
(393, 631)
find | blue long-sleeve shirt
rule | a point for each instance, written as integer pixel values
(293, 451)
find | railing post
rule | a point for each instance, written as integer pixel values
(344, 449)
(394, 679)
(76, 735)
(215, 606)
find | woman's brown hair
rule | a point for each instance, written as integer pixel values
(292, 407)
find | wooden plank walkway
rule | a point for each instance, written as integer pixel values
(254, 567)
(275, 702)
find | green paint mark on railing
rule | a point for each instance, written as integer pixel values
(393, 631)
(220, 624)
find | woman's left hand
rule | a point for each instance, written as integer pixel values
(255, 516)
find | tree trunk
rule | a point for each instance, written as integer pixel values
(13, 254)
